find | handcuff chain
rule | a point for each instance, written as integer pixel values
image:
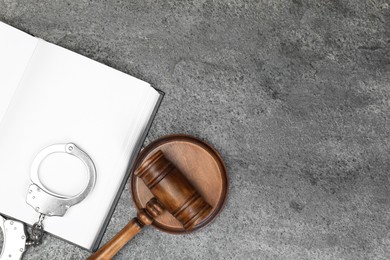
(36, 232)
(40, 220)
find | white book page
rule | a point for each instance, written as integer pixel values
(16, 49)
(65, 97)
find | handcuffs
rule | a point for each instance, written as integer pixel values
(44, 202)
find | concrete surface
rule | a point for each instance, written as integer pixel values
(294, 94)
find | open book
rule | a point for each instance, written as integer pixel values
(50, 95)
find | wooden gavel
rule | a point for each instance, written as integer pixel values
(172, 191)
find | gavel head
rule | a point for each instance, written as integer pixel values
(173, 190)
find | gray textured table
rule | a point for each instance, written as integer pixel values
(294, 94)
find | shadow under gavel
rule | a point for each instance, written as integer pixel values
(172, 192)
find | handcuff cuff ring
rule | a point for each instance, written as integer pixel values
(48, 202)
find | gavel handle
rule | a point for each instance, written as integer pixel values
(112, 247)
(145, 217)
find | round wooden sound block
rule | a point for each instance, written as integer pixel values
(199, 162)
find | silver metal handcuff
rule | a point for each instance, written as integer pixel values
(44, 202)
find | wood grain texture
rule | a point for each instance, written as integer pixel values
(178, 173)
(200, 164)
(173, 190)
(144, 217)
(114, 245)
